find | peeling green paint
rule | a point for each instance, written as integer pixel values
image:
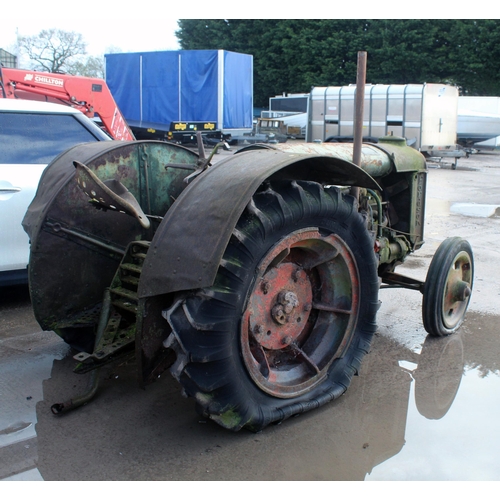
(230, 419)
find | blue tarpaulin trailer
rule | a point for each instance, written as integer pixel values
(172, 94)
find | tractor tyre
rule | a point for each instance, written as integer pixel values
(290, 315)
(448, 287)
(79, 339)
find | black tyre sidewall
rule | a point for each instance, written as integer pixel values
(435, 283)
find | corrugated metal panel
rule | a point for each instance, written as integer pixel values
(424, 113)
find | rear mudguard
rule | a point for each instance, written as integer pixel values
(76, 249)
(187, 248)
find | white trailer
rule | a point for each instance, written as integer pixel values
(424, 114)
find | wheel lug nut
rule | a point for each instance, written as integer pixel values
(258, 329)
(279, 314)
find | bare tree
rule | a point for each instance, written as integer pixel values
(54, 50)
(92, 66)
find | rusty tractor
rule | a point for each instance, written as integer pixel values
(254, 280)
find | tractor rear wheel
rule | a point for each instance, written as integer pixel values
(291, 313)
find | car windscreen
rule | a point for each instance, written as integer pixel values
(38, 138)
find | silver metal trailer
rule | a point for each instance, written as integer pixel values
(425, 115)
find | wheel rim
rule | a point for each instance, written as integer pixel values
(457, 290)
(301, 312)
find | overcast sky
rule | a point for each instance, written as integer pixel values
(102, 29)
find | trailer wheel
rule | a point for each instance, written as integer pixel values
(448, 287)
(290, 315)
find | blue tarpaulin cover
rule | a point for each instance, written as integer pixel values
(185, 85)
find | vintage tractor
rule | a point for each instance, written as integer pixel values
(255, 280)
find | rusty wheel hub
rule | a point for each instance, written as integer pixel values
(280, 306)
(301, 312)
(457, 290)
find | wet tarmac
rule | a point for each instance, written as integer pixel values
(421, 408)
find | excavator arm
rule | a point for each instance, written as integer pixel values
(91, 96)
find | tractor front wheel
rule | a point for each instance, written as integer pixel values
(448, 287)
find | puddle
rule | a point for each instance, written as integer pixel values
(26, 361)
(460, 446)
(29, 475)
(408, 415)
(16, 428)
(420, 409)
(475, 210)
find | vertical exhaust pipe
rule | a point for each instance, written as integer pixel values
(358, 115)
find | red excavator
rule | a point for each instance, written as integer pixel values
(91, 96)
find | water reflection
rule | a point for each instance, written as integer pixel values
(438, 375)
(130, 434)
(368, 427)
